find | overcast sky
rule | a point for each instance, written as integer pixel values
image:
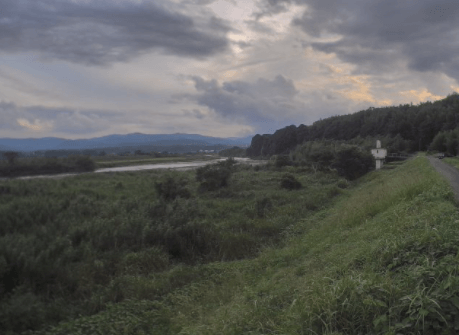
(87, 68)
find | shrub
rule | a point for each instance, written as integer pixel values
(343, 183)
(179, 229)
(262, 206)
(351, 162)
(289, 182)
(228, 163)
(5, 189)
(216, 176)
(172, 187)
(144, 262)
(83, 163)
(282, 160)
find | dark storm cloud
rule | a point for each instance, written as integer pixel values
(380, 34)
(100, 32)
(264, 104)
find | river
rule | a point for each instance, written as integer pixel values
(180, 166)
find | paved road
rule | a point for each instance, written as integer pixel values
(451, 173)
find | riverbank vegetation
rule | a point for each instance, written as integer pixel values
(76, 246)
(16, 167)
(233, 152)
(114, 254)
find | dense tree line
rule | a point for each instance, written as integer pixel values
(233, 152)
(349, 161)
(446, 141)
(408, 127)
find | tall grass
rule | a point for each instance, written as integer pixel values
(380, 259)
(78, 245)
(383, 260)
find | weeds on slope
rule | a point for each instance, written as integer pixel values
(383, 261)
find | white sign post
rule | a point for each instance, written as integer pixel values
(379, 154)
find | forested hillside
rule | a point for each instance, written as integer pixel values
(406, 128)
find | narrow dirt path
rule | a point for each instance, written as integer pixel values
(451, 173)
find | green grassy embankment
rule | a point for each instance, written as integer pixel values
(454, 161)
(382, 258)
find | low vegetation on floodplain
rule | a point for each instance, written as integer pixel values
(14, 166)
(76, 246)
(124, 254)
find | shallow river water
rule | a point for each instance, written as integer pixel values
(181, 166)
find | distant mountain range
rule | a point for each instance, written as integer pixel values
(120, 141)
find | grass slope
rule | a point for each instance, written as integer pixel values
(382, 260)
(454, 161)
